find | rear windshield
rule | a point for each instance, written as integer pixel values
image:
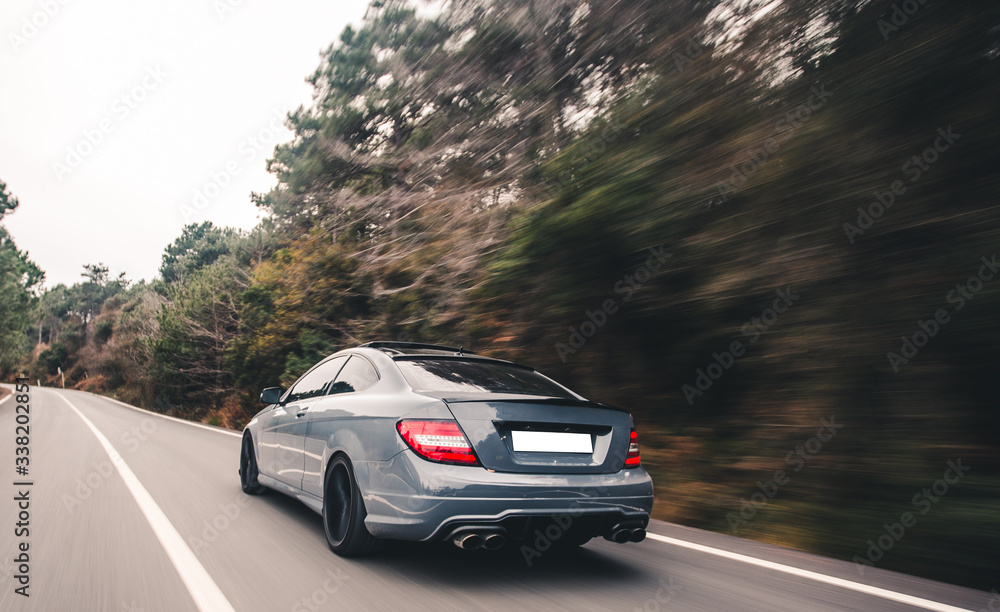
(454, 376)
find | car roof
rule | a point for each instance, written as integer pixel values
(407, 351)
(415, 348)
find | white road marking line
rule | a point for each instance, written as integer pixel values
(840, 582)
(206, 594)
(164, 416)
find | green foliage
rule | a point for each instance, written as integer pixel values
(53, 358)
(195, 326)
(86, 299)
(199, 245)
(8, 203)
(19, 281)
(298, 308)
(103, 331)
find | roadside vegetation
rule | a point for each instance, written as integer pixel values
(740, 220)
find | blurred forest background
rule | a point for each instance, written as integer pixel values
(500, 176)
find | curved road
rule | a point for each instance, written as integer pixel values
(132, 511)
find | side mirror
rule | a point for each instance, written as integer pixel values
(271, 395)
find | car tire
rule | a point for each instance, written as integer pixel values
(248, 468)
(344, 512)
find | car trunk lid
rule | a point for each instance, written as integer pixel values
(542, 435)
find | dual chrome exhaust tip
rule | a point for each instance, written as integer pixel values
(626, 532)
(472, 540)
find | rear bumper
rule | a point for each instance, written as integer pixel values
(408, 498)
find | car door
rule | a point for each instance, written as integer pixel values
(283, 432)
(356, 376)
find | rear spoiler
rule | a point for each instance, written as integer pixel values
(463, 357)
(456, 398)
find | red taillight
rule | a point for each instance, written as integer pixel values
(440, 441)
(632, 460)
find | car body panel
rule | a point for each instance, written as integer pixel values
(311, 501)
(282, 433)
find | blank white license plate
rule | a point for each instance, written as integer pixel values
(551, 442)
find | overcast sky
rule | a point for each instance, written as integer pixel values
(116, 115)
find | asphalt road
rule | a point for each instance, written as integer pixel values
(164, 526)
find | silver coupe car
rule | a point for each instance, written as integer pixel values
(419, 442)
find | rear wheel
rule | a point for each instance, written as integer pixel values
(248, 468)
(344, 512)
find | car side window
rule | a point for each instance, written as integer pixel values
(315, 382)
(357, 375)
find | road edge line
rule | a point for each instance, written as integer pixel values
(911, 600)
(168, 417)
(206, 594)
